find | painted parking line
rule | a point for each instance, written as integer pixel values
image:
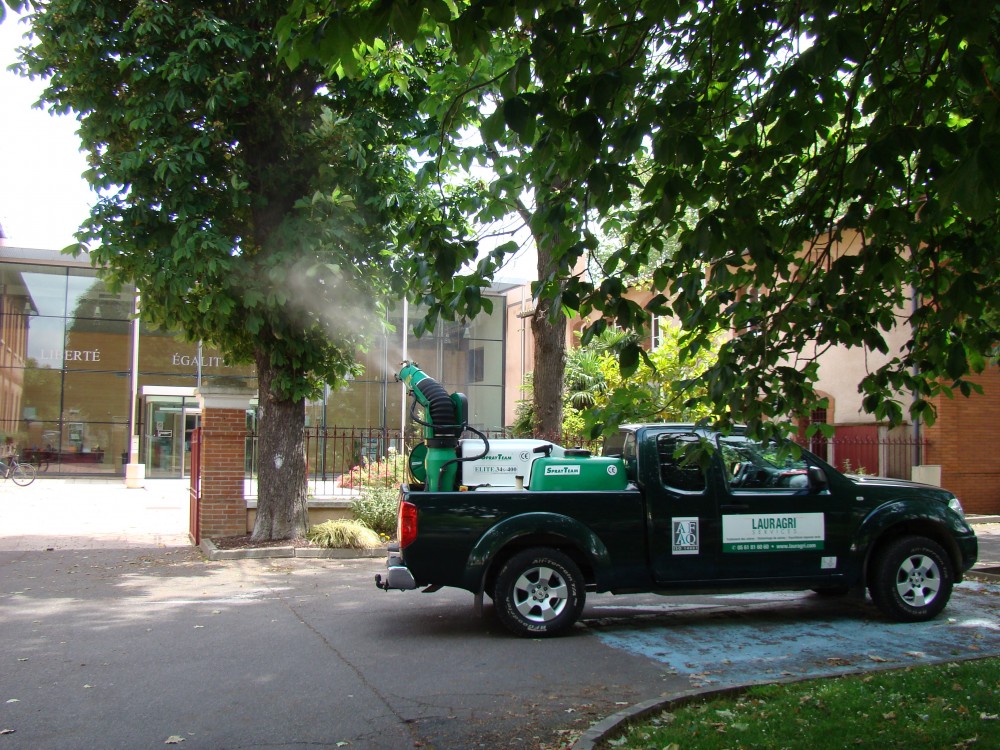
(763, 637)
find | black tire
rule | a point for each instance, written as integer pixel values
(23, 474)
(539, 593)
(911, 580)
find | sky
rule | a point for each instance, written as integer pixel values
(43, 196)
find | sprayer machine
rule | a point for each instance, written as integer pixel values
(446, 461)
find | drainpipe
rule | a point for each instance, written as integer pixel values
(917, 448)
(402, 385)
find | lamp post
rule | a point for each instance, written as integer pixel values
(135, 472)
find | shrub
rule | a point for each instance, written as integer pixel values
(342, 534)
(377, 508)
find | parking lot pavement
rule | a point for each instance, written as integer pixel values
(132, 647)
(119, 634)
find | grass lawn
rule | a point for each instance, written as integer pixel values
(954, 705)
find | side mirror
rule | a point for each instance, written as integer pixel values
(817, 479)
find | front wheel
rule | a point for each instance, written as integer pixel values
(912, 579)
(23, 474)
(539, 592)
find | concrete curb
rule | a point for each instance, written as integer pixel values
(989, 575)
(212, 552)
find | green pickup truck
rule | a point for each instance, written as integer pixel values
(755, 517)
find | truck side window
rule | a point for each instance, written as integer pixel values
(676, 472)
(614, 444)
(751, 465)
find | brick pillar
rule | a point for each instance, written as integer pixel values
(222, 510)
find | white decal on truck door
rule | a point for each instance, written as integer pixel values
(773, 532)
(685, 536)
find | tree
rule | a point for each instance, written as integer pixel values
(841, 159)
(251, 204)
(524, 129)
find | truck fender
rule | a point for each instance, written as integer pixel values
(908, 516)
(552, 530)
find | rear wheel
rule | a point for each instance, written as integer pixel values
(912, 579)
(539, 592)
(23, 474)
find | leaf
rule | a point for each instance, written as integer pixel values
(517, 114)
(405, 19)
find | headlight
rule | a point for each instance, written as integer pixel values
(956, 506)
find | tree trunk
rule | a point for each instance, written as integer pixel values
(549, 335)
(282, 510)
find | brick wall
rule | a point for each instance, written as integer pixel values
(963, 441)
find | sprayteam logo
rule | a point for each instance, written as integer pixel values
(562, 471)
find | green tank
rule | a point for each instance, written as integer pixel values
(577, 470)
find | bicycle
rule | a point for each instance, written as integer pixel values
(40, 459)
(22, 474)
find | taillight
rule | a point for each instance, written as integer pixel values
(406, 524)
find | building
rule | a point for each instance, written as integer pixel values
(81, 380)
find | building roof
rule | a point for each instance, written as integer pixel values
(41, 256)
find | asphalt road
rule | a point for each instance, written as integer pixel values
(117, 634)
(133, 648)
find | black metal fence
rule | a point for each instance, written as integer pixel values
(340, 459)
(885, 455)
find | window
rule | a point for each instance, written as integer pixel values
(477, 365)
(767, 466)
(679, 468)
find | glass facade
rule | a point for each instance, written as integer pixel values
(66, 379)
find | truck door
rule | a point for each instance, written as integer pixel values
(777, 519)
(682, 514)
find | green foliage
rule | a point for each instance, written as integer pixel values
(254, 206)
(377, 509)
(344, 534)
(665, 386)
(805, 175)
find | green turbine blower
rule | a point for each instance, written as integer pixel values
(445, 419)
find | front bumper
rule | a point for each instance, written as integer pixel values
(398, 575)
